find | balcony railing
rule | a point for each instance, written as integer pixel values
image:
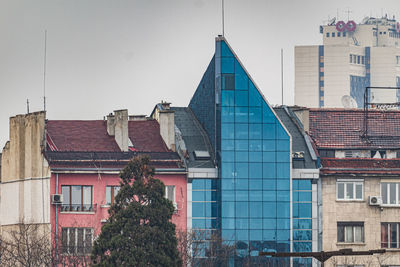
(78, 207)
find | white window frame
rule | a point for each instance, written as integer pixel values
(355, 183)
(397, 204)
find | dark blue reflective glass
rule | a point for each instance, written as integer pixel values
(241, 98)
(228, 234)
(255, 131)
(269, 195)
(242, 195)
(269, 184)
(302, 223)
(255, 115)
(269, 209)
(283, 171)
(256, 235)
(225, 51)
(254, 96)
(269, 170)
(283, 145)
(227, 170)
(241, 115)
(267, 115)
(241, 131)
(255, 170)
(197, 184)
(242, 234)
(283, 209)
(269, 131)
(305, 196)
(283, 184)
(227, 144)
(242, 156)
(283, 235)
(242, 145)
(198, 209)
(255, 156)
(198, 196)
(302, 246)
(305, 210)
(282, 156)
(198, 223)
(227, 114)
(269, 156)
(269, 224)
(227, 130)
(283, 224)
(228, 223)
(281, 133)
(255, 145)
(283, 195)
(304, 184)
(255, 209)
(228, 209)
(242, 170)
(242, 209)
(269, 235)
(304, 235)
(227, 65)
(227, 184)
(255, 184)
(242, 184)
(227, 98)
(227, 156)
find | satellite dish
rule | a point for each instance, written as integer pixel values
(348, 102)
(332, 21)
(365, 20)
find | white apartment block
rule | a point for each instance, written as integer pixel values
(352, 57)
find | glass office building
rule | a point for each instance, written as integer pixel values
(253, 157)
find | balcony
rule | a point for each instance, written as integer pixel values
(78, 207)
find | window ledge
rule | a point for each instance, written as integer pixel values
(77, 212)
(349, 244)
(390, 206)
(350, 200)
(105, 206)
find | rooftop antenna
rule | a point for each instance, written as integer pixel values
(282, 72)
(348, 13)
(44, 70)
(223, 19)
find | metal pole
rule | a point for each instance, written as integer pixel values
(282, 72)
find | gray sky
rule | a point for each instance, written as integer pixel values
(104, 55)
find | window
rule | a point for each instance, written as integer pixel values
(358, 59)
(350, 232)
(351, 58)
(390, 235)
(344, 34)
(338, 34)
(333, 34)
(349, 190)
(390, 193)
(170, 193)
(327, 34)
(327, 153)
(76, 240)
(111, 193)
(77, 197)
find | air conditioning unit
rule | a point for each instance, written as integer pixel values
(175, 207)
(375, 201)
(56, 199)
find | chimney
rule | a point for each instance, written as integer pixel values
(117, 126)
(166, 118)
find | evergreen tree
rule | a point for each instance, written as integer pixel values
(139, 231)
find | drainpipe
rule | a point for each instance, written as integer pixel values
(57, 222)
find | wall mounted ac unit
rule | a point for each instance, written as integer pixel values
(56, 199)
(375, 201)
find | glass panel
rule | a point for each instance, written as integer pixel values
(116, 190)
(255, 209)
(255, 115)
(340, 192)
(228, 223)
(242, 184)
(255, 170)
(340, 230)
(198, 209)
(227, 130)
(88, 240)
(349, 191)
(108, 195)
(359, 193)
(384, 193)
(392, 188)
(241, 114)
(227, 65)
(242, 170)
(269, 209)
(242, 209)
(228, 209)
(227, 114)
(241, 131)
(349, 234)
(228, 98)
(242, 145)
(66, 193)
(269, 131)
(171, 192)
(255, 131)
(64, 240)
(393, 235)
(358, 234)
(80, 240)
(241, 98)
(255, 145)
(87, 198)
(71, 241)
(76, 195)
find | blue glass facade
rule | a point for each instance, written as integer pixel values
(253, 156)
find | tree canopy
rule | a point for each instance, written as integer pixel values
(139, 231)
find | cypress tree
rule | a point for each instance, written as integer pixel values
(139, 231)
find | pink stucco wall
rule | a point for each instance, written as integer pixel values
(99, 183)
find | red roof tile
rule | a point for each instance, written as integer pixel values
(92, 136)
(145, 136)
(360, 166)
(343, 128)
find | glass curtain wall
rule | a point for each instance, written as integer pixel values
(254, 163)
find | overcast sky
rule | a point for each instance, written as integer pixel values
(104, 55)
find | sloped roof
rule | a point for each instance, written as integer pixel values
(360, 166)
(343, 128)
(92, 136)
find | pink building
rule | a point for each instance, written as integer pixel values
(78, 170)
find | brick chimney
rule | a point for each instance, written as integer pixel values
(166, 118)
(117, 126)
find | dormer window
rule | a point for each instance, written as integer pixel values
(378, 154)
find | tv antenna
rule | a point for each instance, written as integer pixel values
(223, 19)
(44, 70)
(348, 13)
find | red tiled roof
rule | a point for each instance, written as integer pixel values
(360, 166)
(92, 136)
(145, 136)
(74, 135)
(343, 128)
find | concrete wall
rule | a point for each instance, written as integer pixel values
(342, 211)
(25, 172)
(306, 76)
